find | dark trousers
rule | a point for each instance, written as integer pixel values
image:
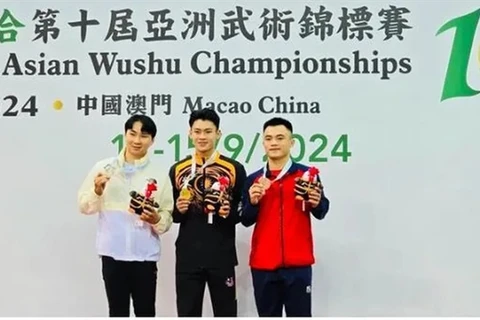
(190, 289)
(123, 280)
(290, 288)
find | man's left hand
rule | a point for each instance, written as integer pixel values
(314, 196)
(150, 215)
(224, 209)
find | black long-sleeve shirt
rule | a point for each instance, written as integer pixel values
(200, 244)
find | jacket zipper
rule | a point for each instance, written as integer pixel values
(129, 237)
(281, 225)
(203, 183)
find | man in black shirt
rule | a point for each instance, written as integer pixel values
(207, 189)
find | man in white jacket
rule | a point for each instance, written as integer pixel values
(133, 199)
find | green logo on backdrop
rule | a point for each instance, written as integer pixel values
(456, 84)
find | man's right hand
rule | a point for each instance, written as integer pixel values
(100, 182)
(256, 192)
(182, 204)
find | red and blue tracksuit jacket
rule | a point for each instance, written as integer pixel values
(282, 236)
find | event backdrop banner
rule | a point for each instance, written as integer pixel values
(384, 97)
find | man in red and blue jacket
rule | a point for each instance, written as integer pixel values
(280, 199)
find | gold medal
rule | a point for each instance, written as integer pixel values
(265, 182)
(185, 193)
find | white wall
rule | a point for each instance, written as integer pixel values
(400, 238)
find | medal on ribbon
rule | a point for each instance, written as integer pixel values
(185, 193)
(265, 182)
(110, 169)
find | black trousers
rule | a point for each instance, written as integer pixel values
(290, 288)
(190, 289)
(124, 280)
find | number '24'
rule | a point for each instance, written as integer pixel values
(29, 107)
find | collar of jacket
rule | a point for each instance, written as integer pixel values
(199, 159)
(294, 168)
(137, 163)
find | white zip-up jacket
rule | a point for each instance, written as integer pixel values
(121, 234)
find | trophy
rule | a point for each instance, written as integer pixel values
(215, 197)
(138, 200)
(304, 185)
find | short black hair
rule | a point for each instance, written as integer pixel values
(206, 115)
(148, 125)
(278, 122)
